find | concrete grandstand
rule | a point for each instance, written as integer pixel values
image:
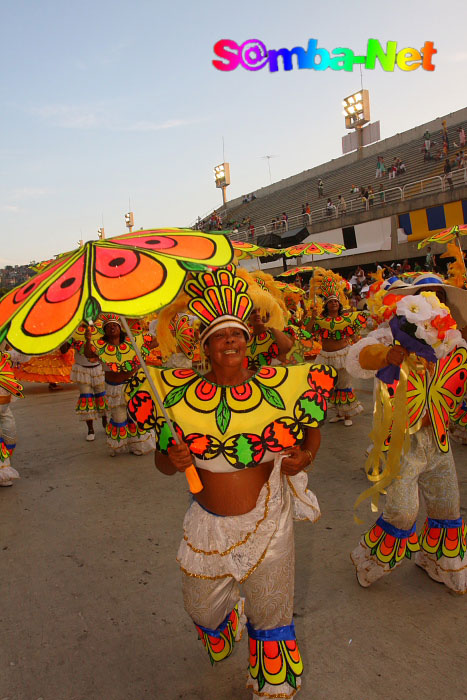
(410, 207)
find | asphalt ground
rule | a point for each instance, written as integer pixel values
(91, 607)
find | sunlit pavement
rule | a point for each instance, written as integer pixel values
(91, 607)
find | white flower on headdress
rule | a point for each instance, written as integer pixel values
(426, 332)
(416, 309)
(451, 340)
(439, 308)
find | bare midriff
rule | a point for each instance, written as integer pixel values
(232, 493)
(331, 345)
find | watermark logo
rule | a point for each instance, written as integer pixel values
(253, 55)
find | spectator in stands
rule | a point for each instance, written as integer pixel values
(460, 160)
(245, 199)
(360, 277)
(392, 169)
(427, 141)
(445, 135)
(320, 188)
(252, 230)
(401, 169)
(417, 267)
(285, 221)
(330, 208)
(364, 196)
(354, 189)
(378, 168)
(382, 166)
(461, 132)
(341, 205)
(382, 196)
(445, 148)
(273, 224)
(438, 155)
(252, 197)
(430, 260)
(448, 175)
(406, 266)
(371, 196)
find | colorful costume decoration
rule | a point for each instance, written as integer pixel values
(8, 387)
(228, 428)
(53, 368)
(345, 326)
(417, 445)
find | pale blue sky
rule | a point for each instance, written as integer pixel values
(104, 100)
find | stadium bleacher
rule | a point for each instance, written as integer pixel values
(421, 177)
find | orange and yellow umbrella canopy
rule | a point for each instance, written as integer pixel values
(130, 275)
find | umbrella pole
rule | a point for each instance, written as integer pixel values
(191, 474)
(462, 256)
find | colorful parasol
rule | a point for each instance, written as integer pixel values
(285, 287)
(131, 275)
(297, 271)
(449, 234)
(446, 236)
(295, 251)
(245, 250)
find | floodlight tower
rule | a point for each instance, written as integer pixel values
(357, 114)
(222, 178)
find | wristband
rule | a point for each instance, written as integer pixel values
(309, 453)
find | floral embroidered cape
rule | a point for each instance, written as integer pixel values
(269, 412)
(346, 325)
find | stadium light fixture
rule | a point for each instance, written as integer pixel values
(357, 109)
(222, 178)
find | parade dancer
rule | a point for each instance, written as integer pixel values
(9, 388)
(89, 375)
(336, 327)
(411, 425)
(251, 436)
(120, 362)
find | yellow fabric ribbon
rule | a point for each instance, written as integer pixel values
(389, 416)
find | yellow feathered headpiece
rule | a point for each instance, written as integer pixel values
(327, 285)
(456, 270)
(165, 337)
(265, 297)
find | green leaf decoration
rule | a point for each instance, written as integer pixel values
(4, 332)
(223, 414)
(392, 563)
(118, 354)
(164, 436)
(290, 678)
(127, 366)
(192, 267)
(439, 553)
(253, 346)
(408, 553)
(244, 452)
(92, 309)
(176, 395)
(261, 679)
(307, 410)
(272, 396)
(462, 554)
